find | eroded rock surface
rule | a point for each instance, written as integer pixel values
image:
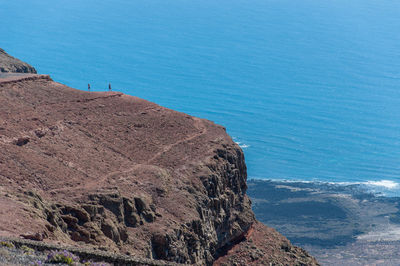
(14, 65)
(107, 170)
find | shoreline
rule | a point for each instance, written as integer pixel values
(379, 188)
(338, 223)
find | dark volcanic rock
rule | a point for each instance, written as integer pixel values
(173, 188)
(340, 224)
(13, 65)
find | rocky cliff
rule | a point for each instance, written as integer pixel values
(13, 65)
(115, 172)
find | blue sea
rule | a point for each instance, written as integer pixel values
(309, 89)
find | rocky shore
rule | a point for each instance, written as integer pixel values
(337, 223)
(108, 171)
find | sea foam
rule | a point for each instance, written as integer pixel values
(388, 184)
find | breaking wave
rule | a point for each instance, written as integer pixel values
(387, 188)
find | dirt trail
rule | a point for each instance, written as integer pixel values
(198, 123)
(93, 183)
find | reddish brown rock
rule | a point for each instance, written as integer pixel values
(265, 246)
(109, 170)
(33, 236)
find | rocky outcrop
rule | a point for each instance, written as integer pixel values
(265, 246)
(118, 173)
(13, 65)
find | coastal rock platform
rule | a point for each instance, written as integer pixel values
(340, 224)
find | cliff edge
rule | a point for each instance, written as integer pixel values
(9, 64)
(114, 172)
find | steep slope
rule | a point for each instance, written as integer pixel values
(265, 246)
(13, 65)
(116, 172)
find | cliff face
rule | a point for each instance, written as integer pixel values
(116, 172)
(13, 65)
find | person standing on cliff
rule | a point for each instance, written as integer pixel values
(88, 87)
(109, 86)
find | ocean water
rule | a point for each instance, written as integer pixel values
(310, 89)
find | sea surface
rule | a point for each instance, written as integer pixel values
(309, 89)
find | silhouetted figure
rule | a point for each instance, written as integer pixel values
(109, 86)
(88, 87)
